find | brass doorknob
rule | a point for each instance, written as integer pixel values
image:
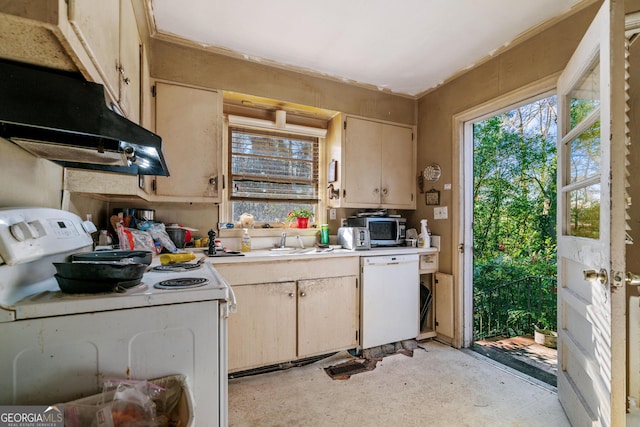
(601, 275)
(632, 279)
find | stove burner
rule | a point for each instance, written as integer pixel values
(182, 283)
(177, 267)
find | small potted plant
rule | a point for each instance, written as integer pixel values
(301, 216)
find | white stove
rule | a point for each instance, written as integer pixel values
(58, 347)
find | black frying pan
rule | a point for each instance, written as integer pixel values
(143, 257)
(107, 271)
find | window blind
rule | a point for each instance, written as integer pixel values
(271, 166)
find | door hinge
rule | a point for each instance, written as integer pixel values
(153, 185)
(223, 183)
(153, 91)
(344, 193)
(412, 197)
(345, 125)
(357, 335)
(412, 136)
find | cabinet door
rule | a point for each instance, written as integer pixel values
(444, 305)
(97, 25)
(362, 163)
(398, 167)
(129, 82)
(263, 330)
(188, 121)
(327, 315)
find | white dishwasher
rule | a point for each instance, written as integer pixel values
(390, 299)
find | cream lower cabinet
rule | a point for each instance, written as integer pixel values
(261, 332)
(297, 317)
(327, 315)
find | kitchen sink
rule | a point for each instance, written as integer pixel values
(306, 251)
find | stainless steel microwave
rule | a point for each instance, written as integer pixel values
(383, 230)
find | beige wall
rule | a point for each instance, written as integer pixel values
(201, 68)
(27, 180)
(532, 60)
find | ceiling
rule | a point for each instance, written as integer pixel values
(405, 46)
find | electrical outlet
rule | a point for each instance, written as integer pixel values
(332, 214)
(446, 186)
(343, 222)
(441, 213)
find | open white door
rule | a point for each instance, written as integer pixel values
(591, 225)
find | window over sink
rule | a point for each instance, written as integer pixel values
(271, 173)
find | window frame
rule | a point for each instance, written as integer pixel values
(225, 208)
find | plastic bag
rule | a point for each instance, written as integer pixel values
(159, 234)
(133, 404)
(132, 239)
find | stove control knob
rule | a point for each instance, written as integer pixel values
(22, 231)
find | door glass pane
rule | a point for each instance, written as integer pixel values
(585, 154)
(585, 97)
(584, 212)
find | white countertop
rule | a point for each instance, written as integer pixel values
(266, 255)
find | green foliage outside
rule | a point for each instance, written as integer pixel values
(515, 220)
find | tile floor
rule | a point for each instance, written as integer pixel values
(438, 386)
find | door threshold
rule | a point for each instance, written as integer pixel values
(512, 371)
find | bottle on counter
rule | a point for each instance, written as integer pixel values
(424, 240)
(245, 246)
(324, 234)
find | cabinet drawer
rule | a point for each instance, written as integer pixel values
(247, 273)
(428, 263)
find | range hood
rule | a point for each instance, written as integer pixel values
(61, 117)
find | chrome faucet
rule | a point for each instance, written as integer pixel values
(299, 237)
(283, 240)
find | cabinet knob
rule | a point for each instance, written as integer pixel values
(384, 191)
(302, 294)
(291, 295)
(376, 190)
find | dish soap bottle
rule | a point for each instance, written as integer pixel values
(424, 240)
(245, 246)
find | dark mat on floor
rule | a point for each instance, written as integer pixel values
(507, 360)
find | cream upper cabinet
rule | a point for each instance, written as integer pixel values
(130, 76)
(376, 163)
(108, 33)
(189, 121)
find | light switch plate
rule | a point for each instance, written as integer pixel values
(441, 212)
(332, 214)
